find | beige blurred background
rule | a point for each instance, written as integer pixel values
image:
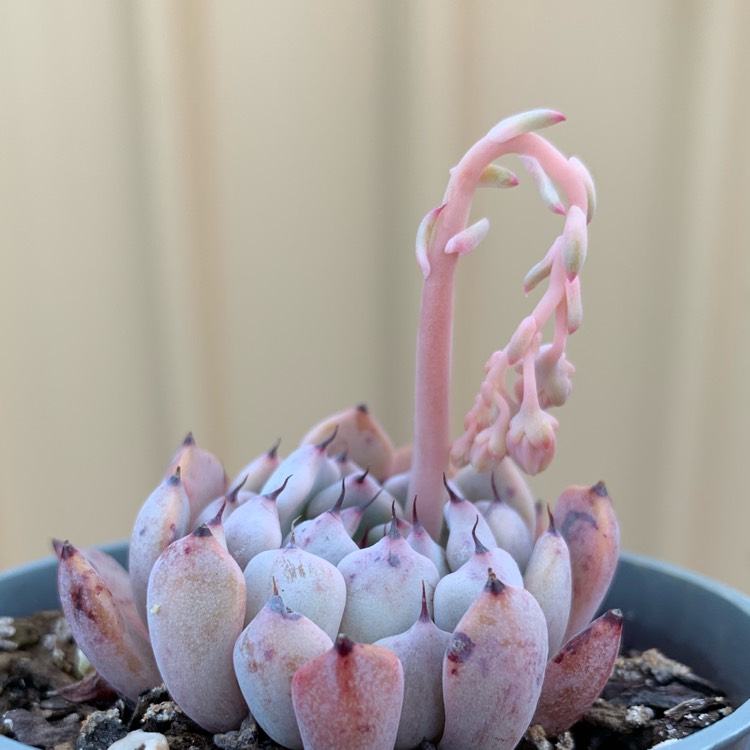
(207, 218)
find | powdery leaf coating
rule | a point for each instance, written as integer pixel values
(253, 528)
(257, 472)
(162, 519)
(360, 489)
(326, 537)
(349, 698)
(461, 517)
(308, 584)
(548, 578)
(275, 644)
(511, 485)
(383, 588)
(420, 541)
(493, 670)
(420, 651)
(120, 654)
(585, 518)
(577, 674)
(456, 592)
(201, 473)
(360, 436)
(510, 531)
(196, 611)
(309, 470)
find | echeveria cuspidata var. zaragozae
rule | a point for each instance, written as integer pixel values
(354, 595)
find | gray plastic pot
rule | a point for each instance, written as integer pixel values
(690, 618)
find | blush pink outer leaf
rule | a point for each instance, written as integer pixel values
(586, 521)
(118, 652)
(202, 475)
(577, 674)
(196, 611)
(493, 670)
(360, 436)
(349, 698)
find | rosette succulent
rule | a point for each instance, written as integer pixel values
(355, 595)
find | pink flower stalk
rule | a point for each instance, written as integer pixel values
(442, 238)
(301, 593)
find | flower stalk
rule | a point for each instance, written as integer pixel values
(319, 591)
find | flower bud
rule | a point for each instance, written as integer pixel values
(531, 438)
(524, 122)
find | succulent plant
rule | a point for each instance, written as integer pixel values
(355, 595)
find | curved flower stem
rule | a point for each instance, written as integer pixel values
(431, 444)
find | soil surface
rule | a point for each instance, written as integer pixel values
(44, 702)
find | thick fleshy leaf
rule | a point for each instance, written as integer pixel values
(462, 517)
(349, 698)
(254, 527)
(420, 541)
(493, 670)
(456, 592)
(201, 473)
(308, 469)
(586, 520)
(309, 585)
(163, 519)
(420, 650)
(325, 535)
(360, 488)
(577, 674)
(509, 529)
(511, 486)
(196, 611)
(547, 577)
(257, 472)
(120, 654)
(383, 587)
(360, 436)
(276, 643)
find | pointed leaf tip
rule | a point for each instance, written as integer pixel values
(343, 645)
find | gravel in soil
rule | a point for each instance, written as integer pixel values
(45, 702)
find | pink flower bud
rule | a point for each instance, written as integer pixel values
(531, 438)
